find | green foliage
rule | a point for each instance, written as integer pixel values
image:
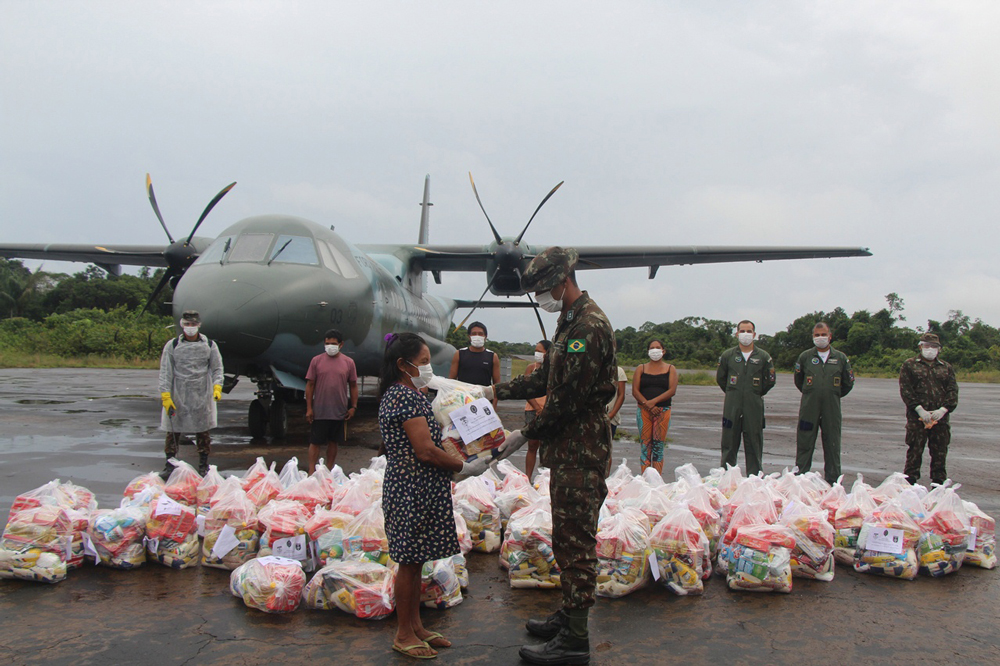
(459, 337)
(692, 341)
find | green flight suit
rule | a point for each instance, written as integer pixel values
(745, 383)
(822, 386)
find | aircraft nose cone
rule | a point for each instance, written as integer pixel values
(240, 316)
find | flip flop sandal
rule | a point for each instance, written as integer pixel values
(408, 651)
(433, 636)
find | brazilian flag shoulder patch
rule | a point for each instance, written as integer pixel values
(578, 345)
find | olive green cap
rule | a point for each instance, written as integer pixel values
(549, 268)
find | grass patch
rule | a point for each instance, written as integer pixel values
(9, 359)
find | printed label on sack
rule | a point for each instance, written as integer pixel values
(885, 540)
(88, 548)
(475, 420)
(972, 540)
(152, 544)
(291, 547)
(167, 507)
(654, 567)
(200, 522)
(226, 542)
(274, 559)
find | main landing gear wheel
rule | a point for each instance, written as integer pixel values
(257, 419)
(278, 418)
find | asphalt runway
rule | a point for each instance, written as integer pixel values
(98, 428)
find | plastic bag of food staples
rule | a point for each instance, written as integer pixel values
(730, 480)
(326, 532)
(257, 471)
(812, 556)
(359, 587)
(265, 489)
(461, 567)
(140, 483)
(528, 550)
(982, 538)
(515, 496)
(290, 473)
(452, 395)
(847, 523)
(622, 553)
(364, 537)
(308, 492)
(36, 544)
(271, 584)
(51, 494)
(832, 500)
(481, 514)
(681, 552)
(462, 530)
(206, 489)
(80, 498)
(887, 542)
(231, 530)
(182, 485)
(116, 535)
(757, 510)
(172, 534)
(699, 502)
(944, 541)
(326, 481)
(284, 525)
(439, 585)
(354, 500)
(761, 560)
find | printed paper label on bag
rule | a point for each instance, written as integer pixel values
(654, 567)
(88, 547)
(226, 542)
(167, 507)
(200, 522)
(273, 559)
(475, 420)
(291, 547)
(885, 540)
(972, 540)
(152, 544)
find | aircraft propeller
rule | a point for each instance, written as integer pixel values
(509, 254)
(179, 255)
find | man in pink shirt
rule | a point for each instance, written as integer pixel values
(331, 398)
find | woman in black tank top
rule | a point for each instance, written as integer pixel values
(653, 387)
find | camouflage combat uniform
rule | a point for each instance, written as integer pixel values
(929, 384)
(822, 386)
(578, 375)
(745, 382)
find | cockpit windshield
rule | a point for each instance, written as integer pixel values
(294, 250)
(216, 251)
(250, 247)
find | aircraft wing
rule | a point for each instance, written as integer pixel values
(476, 258)
(131, 255)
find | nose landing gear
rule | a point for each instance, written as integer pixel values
(268, 412)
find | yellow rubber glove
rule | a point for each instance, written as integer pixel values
(217, 392)
(168, 404)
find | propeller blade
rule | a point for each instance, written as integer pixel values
(156, 292)
(547, 196)
(481, 297)
(496, 234)
(156, 209)
(208, 209)
(538, 316)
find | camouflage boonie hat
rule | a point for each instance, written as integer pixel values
(549, 268)
(191, 316)
(929, 340)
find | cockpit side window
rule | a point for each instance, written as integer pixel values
(250, 247)
(215, 251)
(328, 260)
(347, 268)
(294, 250)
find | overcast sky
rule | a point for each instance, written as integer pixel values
(766, 123)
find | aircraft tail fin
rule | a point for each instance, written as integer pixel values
(417, 280)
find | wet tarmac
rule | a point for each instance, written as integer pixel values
(98, 428)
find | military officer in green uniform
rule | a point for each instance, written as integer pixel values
(823, 375)
(930, 391)
(745, 374)
(578, 375)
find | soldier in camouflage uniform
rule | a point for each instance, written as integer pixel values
(930, 391)
(745, 374)
(823, 375)
(578, 375)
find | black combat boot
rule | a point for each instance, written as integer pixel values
(549, 627)
(168, 469)
(571, 645)
(203, 463)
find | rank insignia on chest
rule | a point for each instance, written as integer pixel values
(732, 380)
(577, 346)
(754, 360)
(809, 381)
(833, 361)
(836, 381)
(756, 381)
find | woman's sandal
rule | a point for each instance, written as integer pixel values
(408, 650)
(435, 636)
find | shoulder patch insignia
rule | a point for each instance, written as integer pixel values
(798, 366)
(578, 345)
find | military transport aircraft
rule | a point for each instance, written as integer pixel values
(269, 286)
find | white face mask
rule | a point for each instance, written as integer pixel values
(655, 354)
(548, 303)
(191, 331)
(821, 341)
(539, 357)
(930, 353)
(477, 341)
(746, 339)
(332, 350)
(424, 378)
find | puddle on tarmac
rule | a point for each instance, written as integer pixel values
(115, 422)
(123, 395)
(83, 411)
(44, 402)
